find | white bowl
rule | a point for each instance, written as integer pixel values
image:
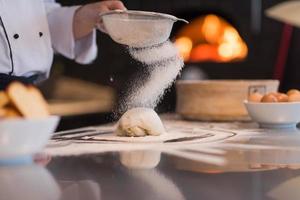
(138, 28)
(274, 115)
(25, 137)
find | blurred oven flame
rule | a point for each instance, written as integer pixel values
(184, 45)
(232, 46)
(210, 38)
(211, 28)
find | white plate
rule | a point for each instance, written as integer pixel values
(24, 137)
(274, 115)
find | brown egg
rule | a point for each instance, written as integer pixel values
(294, 97)
(269, 98)
(255, 97)
(273, 93)
(282, 97)
(293, 91)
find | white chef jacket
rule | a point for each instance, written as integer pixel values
(31, 30)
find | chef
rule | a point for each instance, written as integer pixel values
(32, 30)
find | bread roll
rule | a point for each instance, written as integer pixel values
(28, 101)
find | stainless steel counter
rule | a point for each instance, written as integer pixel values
(245, 163)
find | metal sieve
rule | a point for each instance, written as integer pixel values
(138, 28)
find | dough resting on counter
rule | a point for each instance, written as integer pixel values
(139, 122)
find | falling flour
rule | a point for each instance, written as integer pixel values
(164, 64)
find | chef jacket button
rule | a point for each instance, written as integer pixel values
(41, 34)
(16, 36)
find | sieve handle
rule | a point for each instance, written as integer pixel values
(183, 20)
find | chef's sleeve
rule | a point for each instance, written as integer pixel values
(60, 21)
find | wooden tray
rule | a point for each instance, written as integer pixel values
(218, 100)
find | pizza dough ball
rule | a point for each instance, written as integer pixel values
(139, 122)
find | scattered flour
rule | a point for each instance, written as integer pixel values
(164, 64)
(152, 55)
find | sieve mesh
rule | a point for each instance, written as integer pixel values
(138, 28)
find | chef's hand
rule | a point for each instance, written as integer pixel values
(86, 18)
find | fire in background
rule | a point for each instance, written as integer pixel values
(210, 38)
